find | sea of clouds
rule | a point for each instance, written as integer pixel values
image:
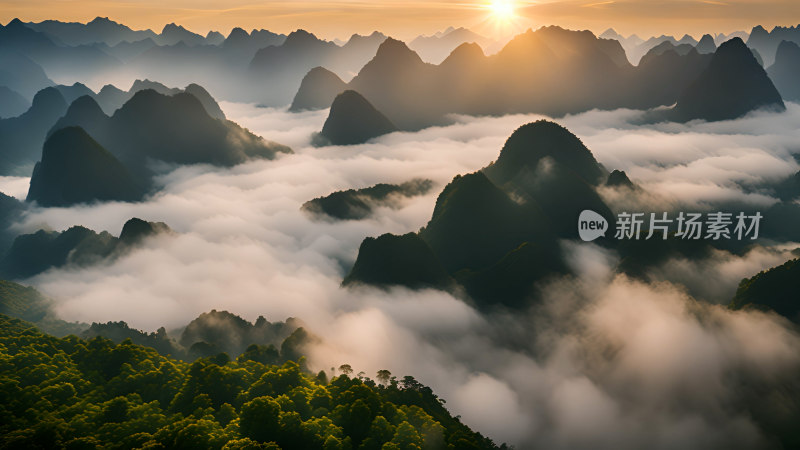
(603, 361)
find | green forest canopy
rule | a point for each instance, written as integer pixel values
(75, 393)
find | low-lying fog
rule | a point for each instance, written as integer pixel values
(606, 362)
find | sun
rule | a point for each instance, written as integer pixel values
(502, 10)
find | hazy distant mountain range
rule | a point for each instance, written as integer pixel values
(549, 71)
(267, 68)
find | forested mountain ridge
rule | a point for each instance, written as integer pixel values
(74, 393)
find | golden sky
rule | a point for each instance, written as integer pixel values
(408, 18)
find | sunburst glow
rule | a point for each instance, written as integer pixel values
(502, 10)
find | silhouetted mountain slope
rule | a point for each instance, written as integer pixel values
(784, 73)
(23, 302)
(680, 49)
(767, 42)
(637, 51)
(661, 78)
(10, 211)
(215, 38)
(100, 29)
(619, 179)
(397, 82)
(120, 331)
(81, 62)
(126, 51)
(774, 289)
(21, 138)
(231, 334)
(136, 230)
(286, 64)
(172, 34)
(511, 280)
(19, 73)
(111, 98)
(208, 102)
(174, 129)
(545, 165)
(531, 143)
(392, 260)
(356, 204)
(435, 48)
(35, 253)
(550, 71)
(318, 89)
(83, 110)
(733, 85)
(74, 91)
(12, 103)
(239, 48)
(78, 246)
(496, 231)
(76, 169)
(353, 120)
(475, 223)
(706, 44)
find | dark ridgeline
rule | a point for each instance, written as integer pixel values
(772, 290)
(76, 169)
(495, 232)
(318, 89)
(767, 42)
(172, 34)
(785, 73)
(10, 211)
(73, 92)
(22, 137)
(391, 260)
(208, 102)
(357, 204)
(681, 49)
(437, 47)
(174, 129)
(706, 44)
(668, 74)
(285, 65)
(32, 254)
(229, 333)
(80, 63)
(110, 98)
(353, 120)
(550, 71)
(733, 85)
(100, 29)
(12, 103)
(21, 75)
(619, 179)
(89, 156)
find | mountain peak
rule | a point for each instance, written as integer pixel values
(300, 37)
(393, 49)
(530, 143)
(135, 230)
(465, 54)
(733, 85)
(102, 20)
(48, 98)
(237, 34)
(76, 169)
(353, 120)
(171, 28)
